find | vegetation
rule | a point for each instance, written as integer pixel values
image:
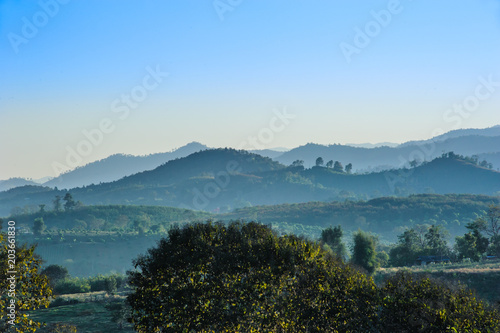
(243, 277)
(28, 290)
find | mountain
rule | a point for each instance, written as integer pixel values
(14, 182)
(117, 166)
(490, 131)
(371, 159)
(223, 179)
(372, 145)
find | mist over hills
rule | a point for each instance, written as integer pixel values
(224, 179)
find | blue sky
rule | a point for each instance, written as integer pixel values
(232, 67)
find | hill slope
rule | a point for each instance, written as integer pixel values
(224, 179)
(117, 166)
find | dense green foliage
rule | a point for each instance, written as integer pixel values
(413, 304)
(363, 252)
(332, 237)
(244, 278)
(31, 290)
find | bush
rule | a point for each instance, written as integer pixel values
(72, 286)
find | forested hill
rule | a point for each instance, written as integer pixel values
(117, 166)
(387, 216)
(224, 179)
(392, 157)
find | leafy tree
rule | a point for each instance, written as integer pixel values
(436, 240)
(60, 328)
(418, 304)
(244, 278)
(38, 226)
(473, 244)
(42, 208)
(298, 163)
(348, 168)
(329, 164)
(32, 289)
(492, 228)
(69, 202)
(363, 253)
(55, 273)
(1, 224)
(338, 167)
(57, 203)
(319, 161)
(333, 238)
(407, 250)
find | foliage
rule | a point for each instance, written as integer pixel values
(363, 252)
(38, 226)
(421, 240)
(55, 273)
(473, 244)
(243, 277)
(412, 304)
(333, 238)
(32, 289)
(72, 286)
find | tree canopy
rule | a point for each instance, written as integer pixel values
(32, 289)
(243, 277)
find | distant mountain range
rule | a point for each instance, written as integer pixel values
(484, 143)
(224, 179)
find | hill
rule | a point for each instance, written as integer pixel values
(14, 182)
(118, 166)
(385, 157)
(223, 179)
(386, 216)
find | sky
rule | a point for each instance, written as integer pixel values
(81, 80)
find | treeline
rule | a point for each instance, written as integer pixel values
(387, 216)
(114, 218)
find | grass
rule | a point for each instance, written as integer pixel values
(91, 317)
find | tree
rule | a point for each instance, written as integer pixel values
(410, 303)
(38, 226)
(473, 244)
(1, 224)
(329, 164)
(69, 202)
(436, 241)
(407, 250)
(319, 161)
(298, 163)
(338, 167)
(42, 208)
(348, 168)
(57, 203)
(32, 289)
(242, 277)
(492, 227)
(363, 253)
(55, 273)
(333, 238)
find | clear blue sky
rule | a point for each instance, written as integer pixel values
(65, 67)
